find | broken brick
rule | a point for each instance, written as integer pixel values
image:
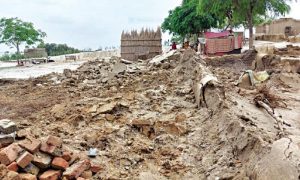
(95, 168)
(42, 160)
(7, 139)
(24, 159)
(32, 145)
(27, 177)
(87, 174)
(76, 169)
(59, 163)
(32, 169)
(67, 155)
(51, 149)
(9, 154)
(13, 167)
(55, 141)
(50, 175)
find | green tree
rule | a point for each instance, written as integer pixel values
(14, 32)
(185, 20)
(53, 49)
(245, 12)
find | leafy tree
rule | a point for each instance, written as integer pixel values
(246, 12)
(185, 20)
(53, 49)
(14, 32)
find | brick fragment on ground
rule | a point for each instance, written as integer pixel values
(95, 167)
(87, 174)
(55, 141)
(51, 149)
(76, 169)
(13, 167)
(59, 163)
(30, 144)
(27, 177)
(50, 175)
(9, 154)
(25, 159)
(67, 155)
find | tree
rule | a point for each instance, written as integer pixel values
(57, 49)
(184, 20)
(246, 12)
(14, 32)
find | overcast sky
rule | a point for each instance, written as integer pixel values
(92, 23)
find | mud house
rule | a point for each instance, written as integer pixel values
(35, 53)
(141, 45)
(283, 26)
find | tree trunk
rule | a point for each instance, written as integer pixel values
(251, 36)
(18, 52)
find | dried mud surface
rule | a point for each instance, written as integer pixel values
(145, 122)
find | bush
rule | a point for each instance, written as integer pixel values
(10, 57)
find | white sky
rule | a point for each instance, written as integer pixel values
(92, 23)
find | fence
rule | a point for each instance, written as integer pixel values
(141, 45)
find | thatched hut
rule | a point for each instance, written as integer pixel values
(141, 45)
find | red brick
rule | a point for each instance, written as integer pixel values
(27, 177)
(31, 145)
(60, 163)
(50, 175)
(9, 154)
(51, 149)
(67, 155)
(24, 159)
(76, 169)
(55, 141)
(95, 168)
(13, 167)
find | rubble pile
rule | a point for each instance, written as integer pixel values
(47, 159)
(172, 117)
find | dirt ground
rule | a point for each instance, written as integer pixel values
(145, 122)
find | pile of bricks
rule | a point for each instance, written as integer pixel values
(45, 160)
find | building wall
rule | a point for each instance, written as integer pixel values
(278, 27)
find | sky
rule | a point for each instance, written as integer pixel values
(92, 23)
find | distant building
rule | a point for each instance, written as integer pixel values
(144, 45)
(283, 26)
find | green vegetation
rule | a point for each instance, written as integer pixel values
(244, 12)
(185, 21)
(10, 57)
(14, 32)
(196, 16)
(53, 49)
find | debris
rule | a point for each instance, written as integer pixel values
(93, 152)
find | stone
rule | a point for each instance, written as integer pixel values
(76, 169)
(32, 169)
(55, 141)
(109, 117)
(7, 139)
(50, 175)
(13, 167)
(180, 118)
(59, 163)
(9, 154)
(12, 175)
(95, 167)
(107, 108)
(88, 174)
(51, 149)
(42, 160)
(25, 159)
(32, 145)
(93, 152)
(27, 177)
(7, 126)
(119, 68)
